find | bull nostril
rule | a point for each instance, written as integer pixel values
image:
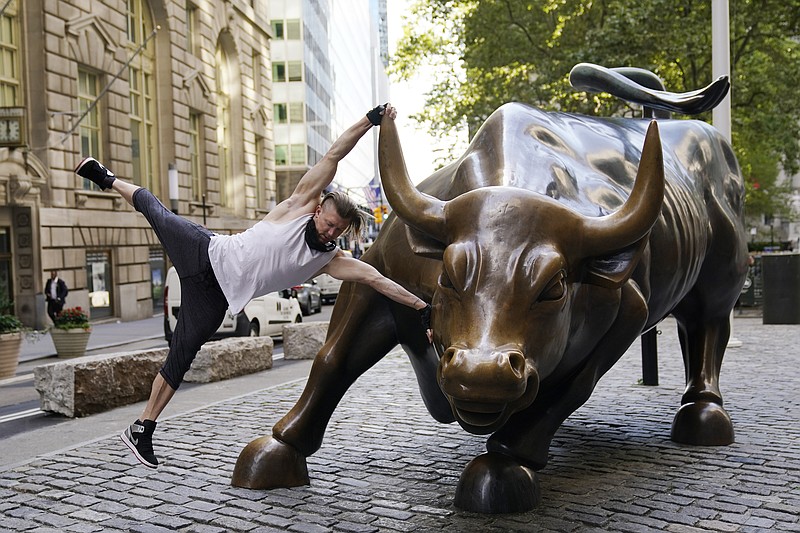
(517, 362)
(447, 356)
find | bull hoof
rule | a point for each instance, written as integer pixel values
(267, 463)
(496, 483)
(702, 424)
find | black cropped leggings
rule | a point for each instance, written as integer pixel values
(203, 304)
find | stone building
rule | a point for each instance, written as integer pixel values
(144, 86)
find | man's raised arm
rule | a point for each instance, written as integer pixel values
(321, 175)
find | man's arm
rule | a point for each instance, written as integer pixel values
(349, 269)
(309, 188)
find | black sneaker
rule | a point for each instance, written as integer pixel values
(91, 169)
(139, 438)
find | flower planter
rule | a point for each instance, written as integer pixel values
(70, 342)
(9, 354)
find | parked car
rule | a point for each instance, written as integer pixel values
(309, 297)
(264, 315)
(328, 285)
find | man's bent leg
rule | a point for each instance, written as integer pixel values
(160, 395)
(202, 308)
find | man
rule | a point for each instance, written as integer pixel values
(294, 242)
(55, 293)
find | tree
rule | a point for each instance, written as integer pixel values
(514, 50)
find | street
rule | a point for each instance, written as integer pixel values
(386, 466)
(19, 400)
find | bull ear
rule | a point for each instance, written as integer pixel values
(613, 270)
(424, 245)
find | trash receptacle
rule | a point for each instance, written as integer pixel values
(781, 275)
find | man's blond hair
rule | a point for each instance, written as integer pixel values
(347, 209)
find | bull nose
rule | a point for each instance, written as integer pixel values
(499, 376)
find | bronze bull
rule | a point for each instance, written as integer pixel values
(546, 250)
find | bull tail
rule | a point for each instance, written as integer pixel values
(643, 87)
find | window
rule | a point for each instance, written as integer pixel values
(89, 129)
(261, 178)
(224, 84)
(192, 29)
(10, 79)
(258, 73)
(294, 154)
(99, 283)
(195, 153)
(298, 152)
(144, 144)
(277, 28)
(279, 71)
(295, 71)
(280, 154)
(293, 29)
(296, 112)
(279, 112)
(291, 71)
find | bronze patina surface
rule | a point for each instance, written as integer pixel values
(546, 250)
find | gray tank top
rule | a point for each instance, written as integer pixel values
(265, 258)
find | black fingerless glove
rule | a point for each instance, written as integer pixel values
(374, 115)
(425, 316)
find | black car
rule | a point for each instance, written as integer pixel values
(308, 296)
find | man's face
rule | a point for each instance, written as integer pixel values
(54, 274)
(329, 224)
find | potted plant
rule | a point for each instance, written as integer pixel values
(70, 332)
(10, 342)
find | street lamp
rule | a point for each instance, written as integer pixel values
(172, 174)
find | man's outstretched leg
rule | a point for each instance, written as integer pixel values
(186, 244)
(94, 171)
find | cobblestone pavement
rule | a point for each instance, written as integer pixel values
(385, 465)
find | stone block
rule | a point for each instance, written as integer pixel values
(304, 340)
(96, 383)
(228, 358)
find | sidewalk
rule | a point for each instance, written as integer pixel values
(385, 465)
(104, 335)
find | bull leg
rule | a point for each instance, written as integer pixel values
(361, 333)
(504, 479)
(701, 419)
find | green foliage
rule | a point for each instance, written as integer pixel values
(10, 324)
(72, 318)
(514, 50)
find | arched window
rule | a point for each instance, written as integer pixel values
(143, 114)
(224, 81)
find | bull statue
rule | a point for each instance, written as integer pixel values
(592, 229)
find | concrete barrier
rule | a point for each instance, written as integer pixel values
(304, 340)
(96, 383)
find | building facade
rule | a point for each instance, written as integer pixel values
(328, 69)
(144, 86)
(302, 88)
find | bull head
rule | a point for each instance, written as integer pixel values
(514, 264)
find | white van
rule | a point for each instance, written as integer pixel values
(264, 315)
(328, 285)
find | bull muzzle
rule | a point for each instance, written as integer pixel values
(486, 387)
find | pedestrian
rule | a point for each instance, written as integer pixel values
(293, 243)
(55, 293)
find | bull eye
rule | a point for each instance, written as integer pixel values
(556, 288)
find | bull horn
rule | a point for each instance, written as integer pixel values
(641, 210)
(421, 211)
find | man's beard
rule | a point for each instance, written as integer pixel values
(312, 238)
